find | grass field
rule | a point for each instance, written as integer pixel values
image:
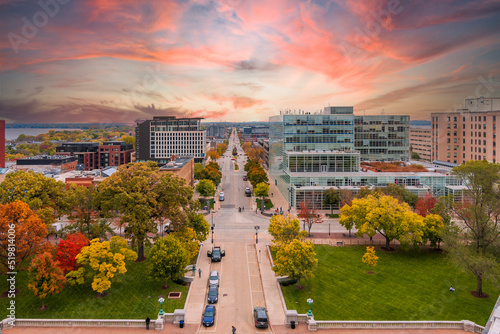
(268, 204)
(405, 286)
(132, 296)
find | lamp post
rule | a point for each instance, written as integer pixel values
(328, 228)
(256, 234)
(213, 227)
(161, 300)
(309, 313)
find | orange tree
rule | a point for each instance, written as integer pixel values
(23, 233)
(46, 278)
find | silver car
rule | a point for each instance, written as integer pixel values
(214, 278)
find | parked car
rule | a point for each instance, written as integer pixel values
(214, 278)
(213, 294)
(245, 178)
(209, 316)
(260, 317)
(248, 193)
(221, 196)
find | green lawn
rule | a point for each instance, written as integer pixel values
(268, 204)
(405, 286)
(132, 296)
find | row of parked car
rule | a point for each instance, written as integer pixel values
(259, 313)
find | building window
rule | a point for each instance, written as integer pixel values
(448, 140)
(484, 142)
(484, 118)
(494, 118)
(455, 125)
(464, 121)
(448, 126)
(448, 119)
(464, 155)
(454, 119)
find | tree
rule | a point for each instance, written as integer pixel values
(205, 188)
(415, 156)
(433, 229)
(44, 195)
(401, 193)
(212, 172)
(345, 197)
(262, 190)
(174, 200)
(309, 215)
(213, 154)
(84, 210)
(221, 148)
(474, 244)
(425, 204)
(386, 216)
(100, 261)
(284, 230)
(188, 238)
(257, 175)
(199, 224)
(198, 171)
(331, 197)
(46, 278)
(68, 249)
(167, 259)
(297, 260)
(370, 259)
(131, 192)
(23, 236)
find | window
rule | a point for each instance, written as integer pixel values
(464, 155)
(484, 142)
(455, 125)
(448, 147)
(484, 135)
(484, 150)
(484, 119)
(448, 119)
(464, 121)
(448, 140)
(463, 126)
(463, 140)
(448, 126)
(494, 118)
(455, 119)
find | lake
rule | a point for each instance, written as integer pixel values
(13, 133)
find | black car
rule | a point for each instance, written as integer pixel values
(213, 295)
(260, 317)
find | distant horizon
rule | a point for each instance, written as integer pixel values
(98, 61)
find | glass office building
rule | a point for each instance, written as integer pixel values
(309, 153)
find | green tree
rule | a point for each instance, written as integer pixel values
(84, 211)
(131, 192)
(386, 216)
(100, 261)
(205, 188)
(199, 224)
(189, 240)
(262, 190)
(46, 278)
(198, 171)
(297, 260)
(474, 245)
(284, 230)
(331, 197)
(415, 156)
(401, 193)
(257, 175)
(167, 259)
(44, 195)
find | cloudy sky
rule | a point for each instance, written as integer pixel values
(242, 60)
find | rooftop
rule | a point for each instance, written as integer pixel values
(178, 163)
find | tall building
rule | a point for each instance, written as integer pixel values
(85, 153)
(216, 131)
(2, 143)
(254, 133)
(165, 136)
(421, 142)
(467, 134)
(309, 153)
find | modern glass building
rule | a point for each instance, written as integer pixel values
(309, 153)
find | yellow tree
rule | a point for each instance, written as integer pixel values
(386, 216)
(297, 260)
(46, 278)
(100, 261)
(284, 230)
(189, 240)
(370, 258)
(213, 154)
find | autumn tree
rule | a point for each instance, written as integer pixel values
(46, 278)
(199, 224)
(23, 234)
(198, 171)
(345, 197)
(297, 260)
(167, 259)
(370, 259)
(434, 229)
(474, 243)
(44, 195)
(189, 240)
(100, 262)
(386, 216)
(425, 204)
(262, 190)
(309, 215)
(284, 230)
(84, 210)
(68, 249)
(256, 176)
(331, 197)
(221, 148)
(131, 193)
(213, 154)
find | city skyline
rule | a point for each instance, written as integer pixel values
(242, 60)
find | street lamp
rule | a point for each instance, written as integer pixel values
(213, 227)
(328, 228)
(309, 313)
(256, 234)
(161, 300)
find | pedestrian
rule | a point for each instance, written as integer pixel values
(234, 329)
(452, 288)
(199, 272)
(243, 208)
(147, 323)
(272, 194)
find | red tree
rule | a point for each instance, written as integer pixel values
(68, 249)
(425, 204)
(309, 215)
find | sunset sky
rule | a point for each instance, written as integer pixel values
(243, 60)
